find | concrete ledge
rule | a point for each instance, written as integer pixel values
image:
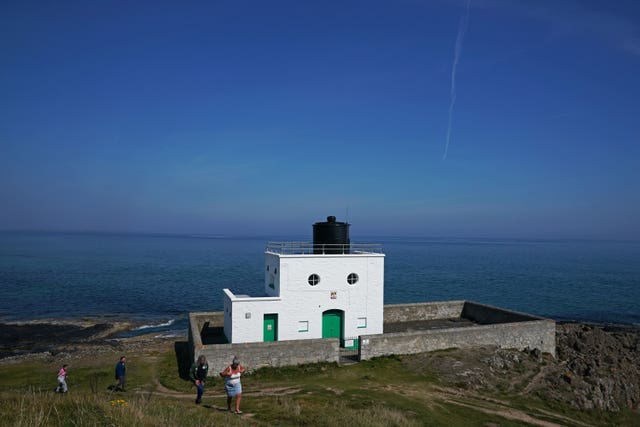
(241, 298)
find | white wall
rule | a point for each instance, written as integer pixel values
(247, 316)
(364, 299)
(272, 274)
(227, 307)
(300, 306)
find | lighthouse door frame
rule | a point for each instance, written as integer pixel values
(333, 324)
(270, 327)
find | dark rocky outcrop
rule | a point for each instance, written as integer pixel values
(596, 367)
(601, 365)
(19, 339)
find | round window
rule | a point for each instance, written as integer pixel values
(314, 279)
(352, 279)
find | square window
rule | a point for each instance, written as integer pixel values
(303, 326)
(362, 322)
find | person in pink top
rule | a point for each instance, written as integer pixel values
(62, 380)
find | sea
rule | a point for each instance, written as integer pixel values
(154, 281)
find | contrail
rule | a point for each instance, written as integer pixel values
(462, 28)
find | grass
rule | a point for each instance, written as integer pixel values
(380, 392)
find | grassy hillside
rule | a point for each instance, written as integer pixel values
(396, 391)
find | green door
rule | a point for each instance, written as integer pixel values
(332, 324)
(270, 327)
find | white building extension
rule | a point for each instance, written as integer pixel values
(329, 289)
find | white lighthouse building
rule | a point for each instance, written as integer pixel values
(330, 288)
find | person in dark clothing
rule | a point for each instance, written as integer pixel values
(121, 374)
(198, 374)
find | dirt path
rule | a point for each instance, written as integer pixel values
(502, 409)
(272, 391)
(472, 400)
(449, 395)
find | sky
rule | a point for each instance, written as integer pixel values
(480, 118)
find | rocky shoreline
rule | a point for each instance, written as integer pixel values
(27, 339)
(601, 366)
(596, 366)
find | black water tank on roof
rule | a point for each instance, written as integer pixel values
(331, 237)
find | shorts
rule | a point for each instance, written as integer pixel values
(233, 389)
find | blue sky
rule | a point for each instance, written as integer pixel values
(262, 117)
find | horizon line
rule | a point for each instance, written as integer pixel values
(309, 237)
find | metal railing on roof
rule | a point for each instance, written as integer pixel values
(308, 248)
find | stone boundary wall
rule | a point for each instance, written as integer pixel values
(394, 313)
(197, 323)
(538, 334)
(495, 327)
(489, 315)
(271, 354)
(259, 354)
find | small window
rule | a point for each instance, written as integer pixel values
(314, 279)
(352, 279)
(362, 322)
(275, 270)
(267, 268)
(303, 326)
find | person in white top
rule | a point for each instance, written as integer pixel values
(232, 384)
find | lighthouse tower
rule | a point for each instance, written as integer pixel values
(330, 288)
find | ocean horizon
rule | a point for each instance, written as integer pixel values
(155, 280)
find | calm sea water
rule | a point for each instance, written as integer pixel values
(157, 280)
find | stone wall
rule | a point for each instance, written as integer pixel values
(271, 354)
(256, 355)
(488, 315)
(197, 323)
(394, 313)
(495, 327)
(533, 334)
